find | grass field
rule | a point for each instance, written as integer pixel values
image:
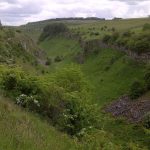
(111, 73)
(20, 130)
(87, 29)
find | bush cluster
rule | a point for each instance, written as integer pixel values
(58, 58)
(63, 98)
(138, 43)
(146, 27)
(136, 89)
(53, 29)
(139, 87)
(146, 120)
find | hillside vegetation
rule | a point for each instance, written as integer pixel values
(77, 75)
(22, 130)
(17, 48)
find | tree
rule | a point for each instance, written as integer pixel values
(52, 30)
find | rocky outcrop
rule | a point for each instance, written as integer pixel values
(95, 45)
(134, 111)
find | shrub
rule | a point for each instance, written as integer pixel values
(114, 36)
(146, 121)
(78, 117)
(64, 99)
(136, 89)
(58, 59)
(146, 27)
(147, 79)
(19, 31)
(48, 61)
(127, 34)
(106, 38)
(71, 79)
(113, 29)
(74, 113)
(28, 102)
(96, 33)
(10, 82)
(141, 46)
(10, 33)
(16, 81)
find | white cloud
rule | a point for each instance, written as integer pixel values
(17, 12)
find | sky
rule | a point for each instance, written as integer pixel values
(17, 12)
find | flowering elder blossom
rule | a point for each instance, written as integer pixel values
(23, 100)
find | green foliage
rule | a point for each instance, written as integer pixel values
(48, 61)
(16, 81)
(64, 100)
(106, 38)
(111, 38)
(147, 78)
(79, 117)
(23, 130)
(10, 33)
(52, 30)
(29, 102)
(71, 79)
(146, 27)
(141, 46)
(58, 59)
(137, 89)
(127, 34)
(146, 120)
(114, 36)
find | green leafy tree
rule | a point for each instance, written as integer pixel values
(53, 29)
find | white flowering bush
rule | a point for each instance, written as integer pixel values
(22, 100)
(78, 118)
(27, 102)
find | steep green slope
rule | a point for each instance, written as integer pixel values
(60, 47)
(18, 49)
(63, 47)
(20, 130)
(111, 73)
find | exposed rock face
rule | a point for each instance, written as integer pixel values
(134, 111)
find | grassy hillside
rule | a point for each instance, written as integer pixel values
(18, 49)
(62, 47)
(88, 29)
(20, 130)
(66, 95)
(96, 30)
(111, 73)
